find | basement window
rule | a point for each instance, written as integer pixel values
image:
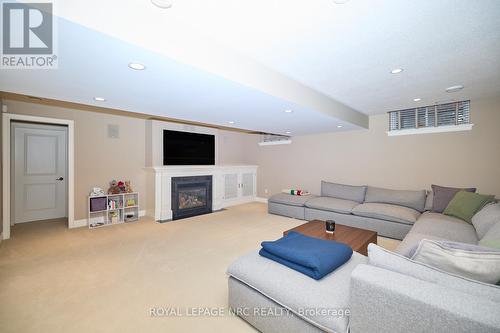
(449, 117)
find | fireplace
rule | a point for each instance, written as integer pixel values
(191, 196)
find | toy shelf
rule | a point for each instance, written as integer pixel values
(111, 209)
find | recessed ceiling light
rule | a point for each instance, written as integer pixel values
(163, 4)
(137, 66)
(456, 88)
(99, 99)
(396, 70)
(288, 111)
(230, 122)
(340, 2)
(417, 99)
(288, 132)
(339, 126)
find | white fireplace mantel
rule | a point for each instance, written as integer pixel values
(231, 185)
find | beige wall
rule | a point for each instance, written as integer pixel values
(237, 148)
(403, 162)
(98, 159)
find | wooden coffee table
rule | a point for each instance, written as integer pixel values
(357, 239)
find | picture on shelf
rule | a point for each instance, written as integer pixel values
(97, 204)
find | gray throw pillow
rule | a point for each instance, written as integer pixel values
(486, 218)
(443, 195)
(471, 261)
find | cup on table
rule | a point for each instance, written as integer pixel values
(330, 226)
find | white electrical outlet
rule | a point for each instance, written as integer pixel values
(266, 191)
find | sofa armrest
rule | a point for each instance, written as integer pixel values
(386, 301)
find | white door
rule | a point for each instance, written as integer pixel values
(39, 171)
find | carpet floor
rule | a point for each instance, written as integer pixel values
(53, 279)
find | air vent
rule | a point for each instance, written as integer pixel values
(446, 117)
(272, 139)
(113, 131)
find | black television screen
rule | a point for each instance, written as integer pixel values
(184, 148)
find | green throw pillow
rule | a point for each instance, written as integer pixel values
(465, 204)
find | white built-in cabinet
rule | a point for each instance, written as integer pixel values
(239, 186)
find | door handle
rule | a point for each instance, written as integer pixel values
(60, 179)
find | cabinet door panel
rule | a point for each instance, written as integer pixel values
(230, 186)
(247, 180)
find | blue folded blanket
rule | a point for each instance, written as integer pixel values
(311, 256)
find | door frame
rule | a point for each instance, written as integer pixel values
(6, 155)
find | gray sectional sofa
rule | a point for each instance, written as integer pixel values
(391, 213)
(384, 292)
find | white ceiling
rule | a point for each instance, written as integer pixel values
(347, 51)
(248, 60)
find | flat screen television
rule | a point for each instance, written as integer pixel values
(184, 148)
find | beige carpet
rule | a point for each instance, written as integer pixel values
(106, 280)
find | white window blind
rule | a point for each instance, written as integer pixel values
(449, 114)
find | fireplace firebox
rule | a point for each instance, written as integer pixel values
(191, 196)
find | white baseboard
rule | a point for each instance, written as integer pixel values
(78, 224)
(259, 199)
(84, 222)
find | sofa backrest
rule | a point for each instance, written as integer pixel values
(486, 218)
(492, 237)
(341, 191)
(380, 257)
(411, 199)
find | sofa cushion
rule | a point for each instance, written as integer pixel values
(410, 199)
(292, 200)
(296, 291)
(492, 237)
(387, 212)
(379, 257)
(410, 243)
(332, 204)
(346, 192)
(446, 227)
(471, 261)
(465, 205)
(486, 218)
(442, 196)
